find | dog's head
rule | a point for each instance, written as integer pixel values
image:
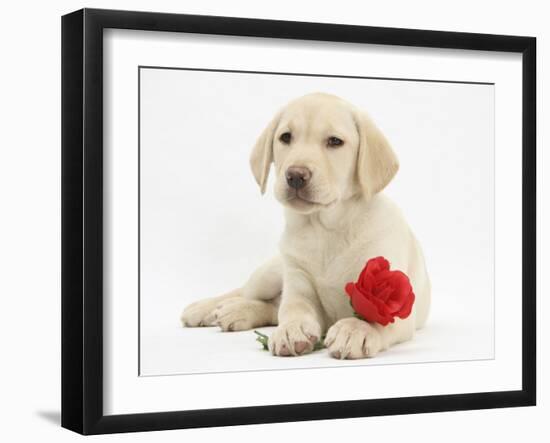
(324, 150)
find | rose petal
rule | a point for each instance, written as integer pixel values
(380, 305)
(385, 275)
(394, 306)
(367, 284)
(367, 308)
(383, 293)
(378, 264)
(406, 310)
(402, 282)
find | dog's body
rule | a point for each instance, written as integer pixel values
(331, 163)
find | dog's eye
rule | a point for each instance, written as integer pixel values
(334, 142)
(285, 137)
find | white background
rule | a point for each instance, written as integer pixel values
(205, 227)
(30, 183)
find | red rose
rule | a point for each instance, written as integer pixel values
(380, 295)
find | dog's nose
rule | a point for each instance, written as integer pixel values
(297, 176)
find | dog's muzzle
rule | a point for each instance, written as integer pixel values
(297, 177)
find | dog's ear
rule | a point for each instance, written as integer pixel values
(262, 154)
(377, 164)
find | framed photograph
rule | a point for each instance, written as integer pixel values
(268, 221)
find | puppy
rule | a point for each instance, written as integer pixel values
(331, 163)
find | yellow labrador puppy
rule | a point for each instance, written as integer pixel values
(331, 162)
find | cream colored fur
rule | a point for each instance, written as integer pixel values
(342, 221)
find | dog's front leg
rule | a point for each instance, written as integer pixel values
(300, 317)
(352, 338)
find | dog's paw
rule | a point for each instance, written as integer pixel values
(240, 314)
(352, 338)
(294, 338)
(198, 313)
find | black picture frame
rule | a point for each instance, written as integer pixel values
(82, 220)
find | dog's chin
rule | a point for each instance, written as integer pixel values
(304, 205)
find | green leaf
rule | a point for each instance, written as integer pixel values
(320, 344)
(264, 340)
